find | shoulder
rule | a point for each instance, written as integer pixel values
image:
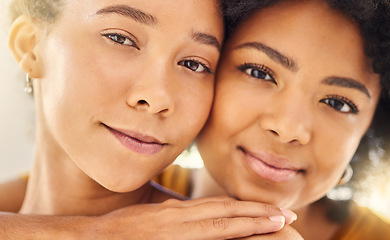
(364, 224)
(12, 193)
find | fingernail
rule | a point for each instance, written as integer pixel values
(289, 215)
(277, 219)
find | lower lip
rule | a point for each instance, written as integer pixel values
(137, 145)
(268, 172)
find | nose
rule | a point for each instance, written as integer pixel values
(289, 120)
(153, 91)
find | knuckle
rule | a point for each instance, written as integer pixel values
(211, 225)
(257, 221)
(269, 210)
(220, 223)
(231, 205)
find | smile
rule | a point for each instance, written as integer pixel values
(270, 167)
(136, 142)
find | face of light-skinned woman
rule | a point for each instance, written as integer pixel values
(118, 97)
(294, 95)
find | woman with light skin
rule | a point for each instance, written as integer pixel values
(118, 98)
(297, 89)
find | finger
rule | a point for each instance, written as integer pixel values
(229, 228)
(218, 207)
(193, 202)
(231, 208)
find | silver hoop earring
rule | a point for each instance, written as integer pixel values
(347, 175)
(28, 85)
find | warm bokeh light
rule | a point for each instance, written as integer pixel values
(375, 189)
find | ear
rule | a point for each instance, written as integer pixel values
(23, 40)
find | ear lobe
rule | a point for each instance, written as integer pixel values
(23, 41)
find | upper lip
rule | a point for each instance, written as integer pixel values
(273, 160)
(138, 136)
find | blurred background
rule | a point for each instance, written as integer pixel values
(16, 110)
(17, 137)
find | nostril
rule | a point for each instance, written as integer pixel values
(274, 132)
(142, 102)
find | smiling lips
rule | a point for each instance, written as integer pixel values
(270, 167)
(137, 142)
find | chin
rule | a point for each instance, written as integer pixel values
(122, 185)
(263, 196)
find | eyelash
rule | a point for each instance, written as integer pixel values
(262, 68)
(110, 36)
(341, 99)
(207, 69)
(259, 67)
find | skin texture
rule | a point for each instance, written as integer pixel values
(105, 67)
(267, 109)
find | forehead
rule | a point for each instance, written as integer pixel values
(186, 9)
(153, 7)
(187, 16)
(318, 38)
(309, 21)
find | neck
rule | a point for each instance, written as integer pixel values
(58, 187)
(315, 216)
(204, 185)
(312, 222)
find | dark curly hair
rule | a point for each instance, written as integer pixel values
(372, 16)
(373, 19)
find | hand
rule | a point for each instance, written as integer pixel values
(210, 218)
(287, 233)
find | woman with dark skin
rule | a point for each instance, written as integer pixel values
(298, 85)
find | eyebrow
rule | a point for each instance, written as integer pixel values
(272, 53)
(130, 12)
(206, 39)
(346, 83)
(149, 19)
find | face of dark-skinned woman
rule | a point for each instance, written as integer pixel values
(294, 95)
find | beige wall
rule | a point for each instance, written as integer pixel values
(16, 110)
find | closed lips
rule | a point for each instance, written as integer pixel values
(270, 167)
(136, 142)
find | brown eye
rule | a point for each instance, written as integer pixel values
(257, 71)
(340, 104)
(120, 39)
(195, 66)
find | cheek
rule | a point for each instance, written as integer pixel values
(83, 68)
(332, 155)
(193, 107)
(237, 107)
(336, 143)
